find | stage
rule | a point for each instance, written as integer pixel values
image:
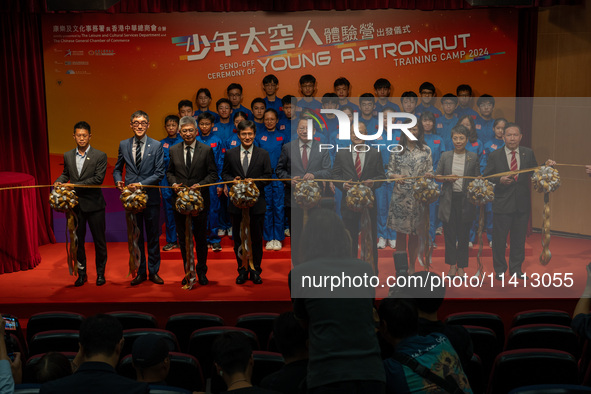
(49, 287)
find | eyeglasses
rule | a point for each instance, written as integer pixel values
(137, 124)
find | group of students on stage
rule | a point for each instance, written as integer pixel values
(455, 140)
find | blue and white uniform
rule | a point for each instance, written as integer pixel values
(167, 194)
(484, 129)
(214, 201)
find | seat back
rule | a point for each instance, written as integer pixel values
(132, 319)
(486, 345)
(480, 319)
(183, 325)
(260, 323)
(202, 339)
(546, 336)
(54, 341)
(53, 320)
(517, 368)
(265, 363)
(541, 316)
(551, 389)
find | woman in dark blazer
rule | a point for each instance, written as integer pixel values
(455, 211)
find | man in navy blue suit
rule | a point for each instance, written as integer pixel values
(142, 158)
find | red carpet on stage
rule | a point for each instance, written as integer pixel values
(49, 287)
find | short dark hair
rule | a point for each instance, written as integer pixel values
(203, 90)
(239, 113)
(257, 100)
(510, 124)
(464, 88)
(449, 96)
(485, 98)
(82, 125)
(286, 99)
(307, 78)
(330, 98)
(460, 129)
(206, 116)
(400, 315)
(139, 114)
(499, 120)
(174, 118)
(233, 86)
(223, 101)
(342, 81)
(367, 97)
(247, 124)
(52, 366)
(270, 79)
(231, 352)
(382, 83)
(409, 94)
(427, 86)
(289, 334)
(273, 111)
(100, 334)
(185, 103)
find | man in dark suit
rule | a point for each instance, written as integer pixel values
(358, 164)
(247, 162)
(142, 158)
(192, 164)
(300, 159)
(87, 166)
(101, 341)
(511, 206)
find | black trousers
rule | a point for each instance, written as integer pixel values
(96, 223)
(199, 224)
(456, 230)
(514, 225)
(256, 237)
(151, 218)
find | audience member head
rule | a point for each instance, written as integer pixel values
(150, 358)
(52, 366)
(291, 338)
(232, 357)
(325, 236)
(101, 339)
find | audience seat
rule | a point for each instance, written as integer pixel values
(202, 339)
(132, 319)
(27, 388)
(541, 316)
(54, 341)
(517, 368)
(475, 374)
(551, 389)
(185, 371)
(546, 336)
(480, 319)
(53, 320)
(131, 335)
(183, 325)
(157, 389)
(486, 345)
(29, 365)
(260, 323)
(265, 363)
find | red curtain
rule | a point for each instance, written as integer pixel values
(23, 136)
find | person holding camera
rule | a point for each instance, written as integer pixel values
(10, 370)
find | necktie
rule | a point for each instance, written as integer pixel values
(305, 155)
(245, 162)
(138, 154)
(514, 164)
(358, 166)
(188, 160)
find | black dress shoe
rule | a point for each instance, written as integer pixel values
(499, 277)
(156, 279)
(520, 276)
(202, 279)
(242, 277)
(100, 280)
(81, 279)
(256, 278)
(138, 279)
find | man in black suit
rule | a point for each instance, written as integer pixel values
(192, 164)
(87, 166)
(101, 341)
(359, 163)
(300, 159)
(511, 206)
(247, 162)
